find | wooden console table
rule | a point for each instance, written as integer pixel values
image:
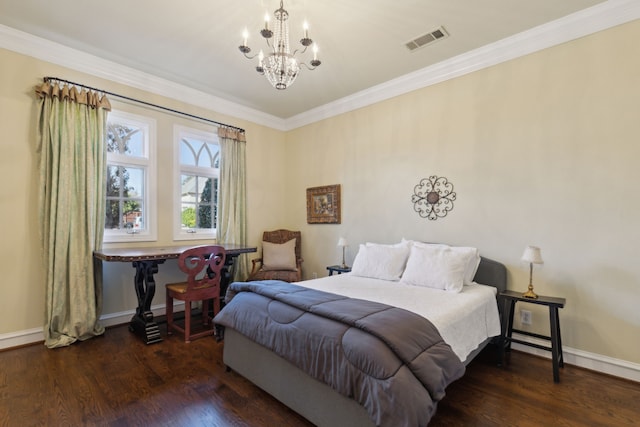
(145, 260)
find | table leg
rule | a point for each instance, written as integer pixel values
(226, 276)
(507, 327)
(561, 356)
(555, 342)
(142, 323)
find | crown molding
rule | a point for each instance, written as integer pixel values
(55, 53)
(588, 21)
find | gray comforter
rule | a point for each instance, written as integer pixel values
(391, 361)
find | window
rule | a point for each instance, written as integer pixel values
(197, 155)
(130, 215)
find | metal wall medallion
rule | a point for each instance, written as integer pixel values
(433, 197)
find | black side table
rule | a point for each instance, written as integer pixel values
(338, 269)
(509, 300)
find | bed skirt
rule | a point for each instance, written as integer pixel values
(312, 399)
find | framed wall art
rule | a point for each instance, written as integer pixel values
(323, 205)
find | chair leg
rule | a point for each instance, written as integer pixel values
(216, 306)
(169, 313)
(205, 312)
(187, 321)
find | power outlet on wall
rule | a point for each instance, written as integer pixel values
(525, 317)
(314, 275)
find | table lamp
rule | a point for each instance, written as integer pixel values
(532, 256)
(342, 242)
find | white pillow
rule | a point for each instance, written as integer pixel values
(384, 262)
(436, 266)
(404, 244)
(472, 266)
(279, 256)
(472, 253)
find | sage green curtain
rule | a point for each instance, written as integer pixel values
(71, 145)
(232, 195)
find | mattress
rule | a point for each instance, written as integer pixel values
(465, 319)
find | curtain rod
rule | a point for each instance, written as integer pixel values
(47, 79)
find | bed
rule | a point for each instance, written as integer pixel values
(465, 320)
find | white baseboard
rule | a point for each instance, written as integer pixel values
(20, 338)
(595, 362)
(31, 336)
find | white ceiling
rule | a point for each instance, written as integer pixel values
(195, 42)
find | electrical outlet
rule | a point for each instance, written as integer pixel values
(525, 317)
(314, 275)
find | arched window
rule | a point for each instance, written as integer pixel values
(198, 169)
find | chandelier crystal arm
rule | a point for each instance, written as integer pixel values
(310, 68)
(245, 52)
(301, 52)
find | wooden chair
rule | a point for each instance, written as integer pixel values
(203, 265)
(258, 272)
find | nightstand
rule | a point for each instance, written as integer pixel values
(508, 300)
(338, 269)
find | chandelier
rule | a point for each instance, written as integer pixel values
(280, 65)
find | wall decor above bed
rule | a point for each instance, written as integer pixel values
(433, 197)
(323, 205)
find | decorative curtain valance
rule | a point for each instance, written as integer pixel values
(232, 133)
(71, 93)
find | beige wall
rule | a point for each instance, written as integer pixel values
(541, 150)
(22, 302)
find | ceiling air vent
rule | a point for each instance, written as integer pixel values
(425, 39)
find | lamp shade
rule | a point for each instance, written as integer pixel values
(532, 255)
(342, 242)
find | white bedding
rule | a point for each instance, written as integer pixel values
(464, 319)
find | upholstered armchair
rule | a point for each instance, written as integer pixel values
(281, 257)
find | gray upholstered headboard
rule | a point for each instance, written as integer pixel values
(492, 273)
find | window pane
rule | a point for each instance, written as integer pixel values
(113, 181)
(136, 144)
(125, 192)
(132, 216)
(189, 189)
(134, 183)
(195, 152)
(198, 201)
(125, 139)
(205, 219)
(188, 200)
(188, 215)
(112, 216)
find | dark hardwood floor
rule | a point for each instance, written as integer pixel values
(116, 380)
